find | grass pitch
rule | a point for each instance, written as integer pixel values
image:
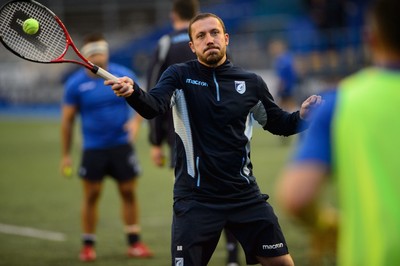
(34, 194)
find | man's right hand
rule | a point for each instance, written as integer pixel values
(122, 88)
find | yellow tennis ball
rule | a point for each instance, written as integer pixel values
(30, 26)
(67, 171)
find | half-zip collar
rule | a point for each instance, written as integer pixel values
(210, 70)
(213, 72)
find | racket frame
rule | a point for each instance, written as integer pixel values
(69, 43)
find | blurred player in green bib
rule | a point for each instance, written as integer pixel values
(354, 138)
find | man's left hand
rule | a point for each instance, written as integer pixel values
(308, 105)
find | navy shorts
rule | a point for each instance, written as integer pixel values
(197, 226)
(119, 162)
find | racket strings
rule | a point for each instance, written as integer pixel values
(47, 44)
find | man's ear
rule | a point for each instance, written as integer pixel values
(226, 39)
(191, 45)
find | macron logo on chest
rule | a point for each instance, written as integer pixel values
(197, 82)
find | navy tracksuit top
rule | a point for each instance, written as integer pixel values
(213, 111)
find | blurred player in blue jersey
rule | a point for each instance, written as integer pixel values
(107, 148)
(284, 67)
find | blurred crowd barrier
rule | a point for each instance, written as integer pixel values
(322, 55)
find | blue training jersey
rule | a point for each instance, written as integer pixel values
(103, 114)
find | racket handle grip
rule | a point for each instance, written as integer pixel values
(103, 73)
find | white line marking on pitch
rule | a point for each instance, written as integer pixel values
(31, 232)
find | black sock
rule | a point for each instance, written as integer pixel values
(133, 238)
(88, 240)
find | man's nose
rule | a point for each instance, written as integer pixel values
(209, 38)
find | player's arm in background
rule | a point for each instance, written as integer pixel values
(69, 111)
(68, 114)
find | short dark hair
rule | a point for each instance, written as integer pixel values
(185, 9)
(203, 16)
(93, 37)
(385, 13)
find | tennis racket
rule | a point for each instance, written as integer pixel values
(49, 45)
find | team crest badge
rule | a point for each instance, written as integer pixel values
(240, 86)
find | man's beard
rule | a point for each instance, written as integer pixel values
(212, 58)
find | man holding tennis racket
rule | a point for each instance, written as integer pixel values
(173, 48)
(106, 146)
(214, 106)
